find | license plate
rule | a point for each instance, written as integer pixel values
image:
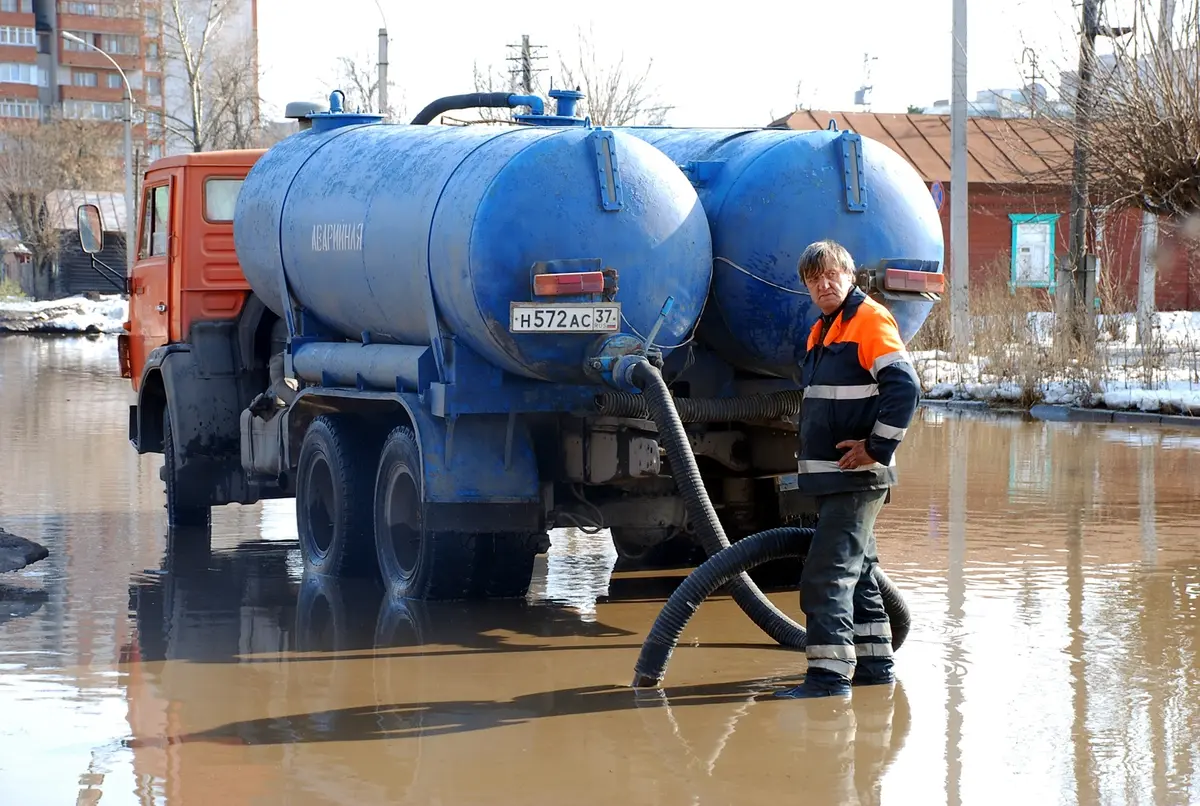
(579, 317)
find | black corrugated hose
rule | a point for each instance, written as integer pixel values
(700, 510)
(747, 553)
(726, 564)
(752, 408)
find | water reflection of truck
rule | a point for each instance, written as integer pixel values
(416, 330)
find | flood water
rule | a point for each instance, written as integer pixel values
(1053, 571)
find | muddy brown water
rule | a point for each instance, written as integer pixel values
(1053, 571)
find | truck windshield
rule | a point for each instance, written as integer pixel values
(220, 198)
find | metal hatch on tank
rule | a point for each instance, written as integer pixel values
(768, 193)
(386, 233)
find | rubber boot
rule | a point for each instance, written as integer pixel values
(873, 672)
(817, 683)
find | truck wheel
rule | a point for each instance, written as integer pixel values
(333, 511)
(415, 563)
(179, 514)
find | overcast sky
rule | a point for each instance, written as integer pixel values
(737, 65)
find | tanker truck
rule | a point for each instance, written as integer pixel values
(445, 341)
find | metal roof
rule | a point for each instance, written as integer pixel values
(61, 207)
(999, 150)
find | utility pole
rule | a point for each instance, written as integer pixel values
(1072, 296)
(523, 72)
(960, 308)
(383, 66)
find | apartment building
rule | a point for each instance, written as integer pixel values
(41, 70)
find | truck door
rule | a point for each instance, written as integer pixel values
(149, 282)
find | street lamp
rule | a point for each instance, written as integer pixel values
(130, 215)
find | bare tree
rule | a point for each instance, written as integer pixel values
(615, 94)
(358, 78)
(37, 159)
(1142, 138)
(220, 103)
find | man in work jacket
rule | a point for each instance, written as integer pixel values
(860, 392)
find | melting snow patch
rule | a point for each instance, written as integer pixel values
(106, 314)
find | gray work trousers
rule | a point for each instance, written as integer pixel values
(840, 598)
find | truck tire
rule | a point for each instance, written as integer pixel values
(333, 508)
(187, 516)
(415, 563)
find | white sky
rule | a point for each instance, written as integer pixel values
(718, 64)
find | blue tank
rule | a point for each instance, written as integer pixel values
(768, 193)
(376, 225)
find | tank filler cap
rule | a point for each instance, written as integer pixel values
(337, 117)
(565, 112)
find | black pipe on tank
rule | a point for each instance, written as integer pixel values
(471, 100)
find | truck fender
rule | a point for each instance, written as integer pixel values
(145, 418)
(200, 391)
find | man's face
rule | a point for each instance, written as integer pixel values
(829, 288)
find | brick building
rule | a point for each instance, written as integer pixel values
(1013, 221)
(40, 69)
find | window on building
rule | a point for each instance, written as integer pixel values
(220, 197)
(19, 73)
(92, 110)
(21, 6)
(19, 108)
(17, 36)
(152, 50)
(153, 85)
(119, 44)
(115, 82)
(71, 44)
(1033, 250)
(154, 151)
(155, 223)
(108, 8)
(83, 79)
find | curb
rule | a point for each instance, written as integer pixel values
(1062, 414)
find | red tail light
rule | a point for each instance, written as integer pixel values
(915, 281)
(583, 282)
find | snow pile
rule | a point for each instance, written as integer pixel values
(106, 314)
(1161, 376)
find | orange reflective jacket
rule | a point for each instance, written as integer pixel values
(859, 383)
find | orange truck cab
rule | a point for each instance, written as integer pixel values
(193, 323)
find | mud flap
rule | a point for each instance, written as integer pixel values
(204, 408)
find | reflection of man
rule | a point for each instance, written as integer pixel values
(860, 393)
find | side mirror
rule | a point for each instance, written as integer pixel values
(91, 229)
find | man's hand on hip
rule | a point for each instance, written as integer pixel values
(856, 457)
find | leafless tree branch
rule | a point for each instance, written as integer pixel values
(37, 159)
(220, 107)
(1142, 138)
(615, 94)
(358, 77)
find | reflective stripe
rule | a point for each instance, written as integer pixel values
(874, 628)
(843, 667)
(844, 651)
(889, 431)
(842, 392)
(874, 650)
(887, 359)
(824, 466)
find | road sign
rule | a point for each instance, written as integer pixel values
(939, 195)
